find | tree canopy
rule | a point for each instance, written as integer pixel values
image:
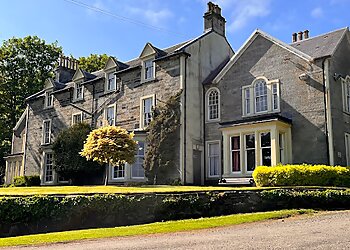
(161, 149)
(93, 62)
(67, 146)
(25, 64)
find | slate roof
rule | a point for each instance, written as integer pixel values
(322, 45)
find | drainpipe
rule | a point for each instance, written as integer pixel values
(25, 141)
(185, 141)
(328, 116)
(204, 144)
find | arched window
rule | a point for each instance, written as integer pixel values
(213, 100)
(260, 90)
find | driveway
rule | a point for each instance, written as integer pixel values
(329, 230)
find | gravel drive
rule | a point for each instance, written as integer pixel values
(330, 230)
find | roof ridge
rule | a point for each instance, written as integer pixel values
(323, 34)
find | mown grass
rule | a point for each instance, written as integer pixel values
(153, 228)
(110, 189)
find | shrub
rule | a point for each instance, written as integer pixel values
(26, 181)
(302, 175)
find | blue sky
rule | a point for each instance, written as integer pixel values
(81, 31)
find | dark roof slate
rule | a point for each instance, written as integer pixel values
(322, 45)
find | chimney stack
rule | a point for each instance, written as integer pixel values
(213, 20)
(294, 37)
(300, 36)
(306, 34)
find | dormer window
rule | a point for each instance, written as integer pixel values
(111, 82)
(48, 99)
(78, 91)
(148, 68)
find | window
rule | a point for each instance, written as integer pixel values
(346, 94)
(265, 148)
(261, 96)
(214, 159)
(77, 118)
(235, 154)
(78, 91)
(148, 67)
(347, 147)
(111, 82)
(281, 146)
(213, 102)
(48, 168)
(48, 99)
(110, 115)
(146, 111)
(250, 152)
(137, 170)
(119, 172)
(46, 132)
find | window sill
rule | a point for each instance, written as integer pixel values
(154, 79)
(261, 113)
(78, 100)
(213, 121)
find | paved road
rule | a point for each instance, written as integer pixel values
(322, 231)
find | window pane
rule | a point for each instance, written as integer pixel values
(236, 164)
(213, 104)
(260, 96)
(48, 168)
(214, 157)
(119, 171)
(147, 111)
(266, 156)
(265, 139)
(235, 142)
(250, 141)
(111, 82)
(148, 69)
(250, 160)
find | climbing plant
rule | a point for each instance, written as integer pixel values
(161, 139)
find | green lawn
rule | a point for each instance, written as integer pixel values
(109, 189)
(153, 228)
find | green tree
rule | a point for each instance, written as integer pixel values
(93, 62)
(110, 145)
(67, 146)
(162, 134)
(25, 64)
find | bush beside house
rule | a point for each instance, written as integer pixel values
(302, 175)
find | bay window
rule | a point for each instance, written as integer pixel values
(137, 170)
(265, 148)
(250, 152)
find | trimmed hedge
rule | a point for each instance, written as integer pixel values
(302, 175)
(26, 181)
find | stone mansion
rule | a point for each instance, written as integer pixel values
(270, 102)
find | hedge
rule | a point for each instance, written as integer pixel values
(302, 175)
(26, 181)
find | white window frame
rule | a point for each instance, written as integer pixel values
(347, 148)
(346, 94)
(245, 150)
(108, 73)
(48, 96)
(77, 114)
(123, 171)
(207, 104)
(75, 92)
(240, 153)
(142, 125)
(261, 147)
(45, 168)
(114, 113)
(139, 156)
(252, 97)
(143, 69)
(218, 142)
(43, 141)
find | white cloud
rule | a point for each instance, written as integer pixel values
(245, 11)
(317, 12)
(153, 16)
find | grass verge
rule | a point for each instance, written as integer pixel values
(152, 228)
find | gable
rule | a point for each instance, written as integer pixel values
(111, 63)
(148, 50)
(259, 34)
(78, 75)
(48, 83)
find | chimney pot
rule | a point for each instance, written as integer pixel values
(306, 34)
(213, 20)
(300, 36)
(294, 37)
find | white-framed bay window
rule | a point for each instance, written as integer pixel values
(247, 146)
(213, 104)
(260, 97)
(213, 158)
(146, 105)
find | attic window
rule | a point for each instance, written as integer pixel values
(48, 99)
(148, 69)
(78, 91)
(111, 82)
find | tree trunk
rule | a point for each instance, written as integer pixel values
(106, 175)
